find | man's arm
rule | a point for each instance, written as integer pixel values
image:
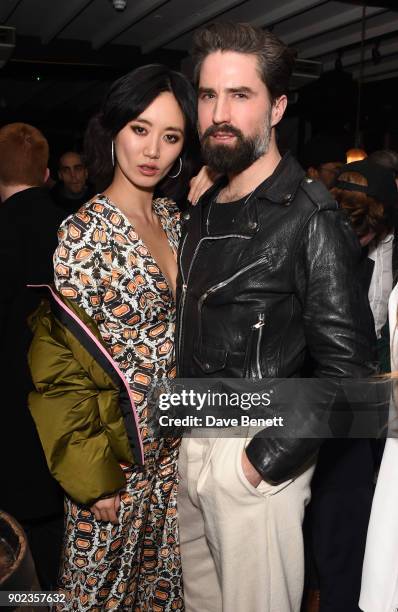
(340, 339)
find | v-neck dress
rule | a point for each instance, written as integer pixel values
(103, 265)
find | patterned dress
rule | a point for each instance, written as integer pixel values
(102, 264)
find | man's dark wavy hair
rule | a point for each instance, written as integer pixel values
(275, 59)
(127, 98)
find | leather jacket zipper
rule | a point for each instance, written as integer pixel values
(182, 301)
(228, 280)
(185, 281)
(222, 284)
(259, 329)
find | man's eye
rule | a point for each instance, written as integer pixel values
(207, 96)
(240, 96)
(138, 129)
(172, 138)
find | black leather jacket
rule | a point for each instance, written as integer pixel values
(279, 288)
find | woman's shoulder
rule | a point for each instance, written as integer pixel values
(168, 209)
(91, 215)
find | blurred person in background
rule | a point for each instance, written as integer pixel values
(343, 483)
(73, 189)
(367, 193)
(28, 222)
(379, 590)
(323, 158)
(388, 159)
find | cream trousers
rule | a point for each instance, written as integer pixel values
(241, 546)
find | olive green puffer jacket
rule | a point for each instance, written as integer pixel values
(82, 406)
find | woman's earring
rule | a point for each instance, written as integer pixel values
(113, 154)
(179, 170)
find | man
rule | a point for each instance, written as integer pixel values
(29, 222)
(388, 159)
(323, 158)
(73, 190)
(267, 286)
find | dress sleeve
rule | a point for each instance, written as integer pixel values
(170, 211)
(82, 270)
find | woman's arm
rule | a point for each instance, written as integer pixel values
(66, 409)
(66, 403)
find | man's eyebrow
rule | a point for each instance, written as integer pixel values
(241, 89)
(203, 90)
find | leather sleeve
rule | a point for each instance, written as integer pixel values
(340, 339)
(338, 322)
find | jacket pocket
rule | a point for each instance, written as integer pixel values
(210, 359)
(252, 365)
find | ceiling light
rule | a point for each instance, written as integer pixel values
(356, 154)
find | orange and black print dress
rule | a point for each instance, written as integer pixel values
(103, 266)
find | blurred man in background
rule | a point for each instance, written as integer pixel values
(72, 190)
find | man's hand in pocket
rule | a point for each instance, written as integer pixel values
(250, 471)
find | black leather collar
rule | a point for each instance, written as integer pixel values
(280, 187)
(283, 183)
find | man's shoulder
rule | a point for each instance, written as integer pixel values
(33, 202)
(317, 195)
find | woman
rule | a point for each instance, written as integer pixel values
(379, 589)
(115, 265)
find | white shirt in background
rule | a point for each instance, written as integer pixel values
(381, 283)
(379, 590)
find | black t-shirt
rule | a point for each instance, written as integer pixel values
(219, 212)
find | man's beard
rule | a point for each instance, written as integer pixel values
(225, 159)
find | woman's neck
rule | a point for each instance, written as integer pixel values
(133, 201)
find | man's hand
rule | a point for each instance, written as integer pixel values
(201, 183)
(250, 472)
(107, 509)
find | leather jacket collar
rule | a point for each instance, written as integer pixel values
(280, 187)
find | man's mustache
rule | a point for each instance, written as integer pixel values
(225, 127)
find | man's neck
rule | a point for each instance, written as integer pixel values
(247, 181)
(73, 195)
(6, 191)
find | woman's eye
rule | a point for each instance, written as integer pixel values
(172, 138)
(138, 129)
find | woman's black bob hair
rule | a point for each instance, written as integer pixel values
(126, 99)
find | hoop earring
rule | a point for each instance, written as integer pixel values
(173, 176)
(113, 154)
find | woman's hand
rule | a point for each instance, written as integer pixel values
(201, 183)
(107, 509)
